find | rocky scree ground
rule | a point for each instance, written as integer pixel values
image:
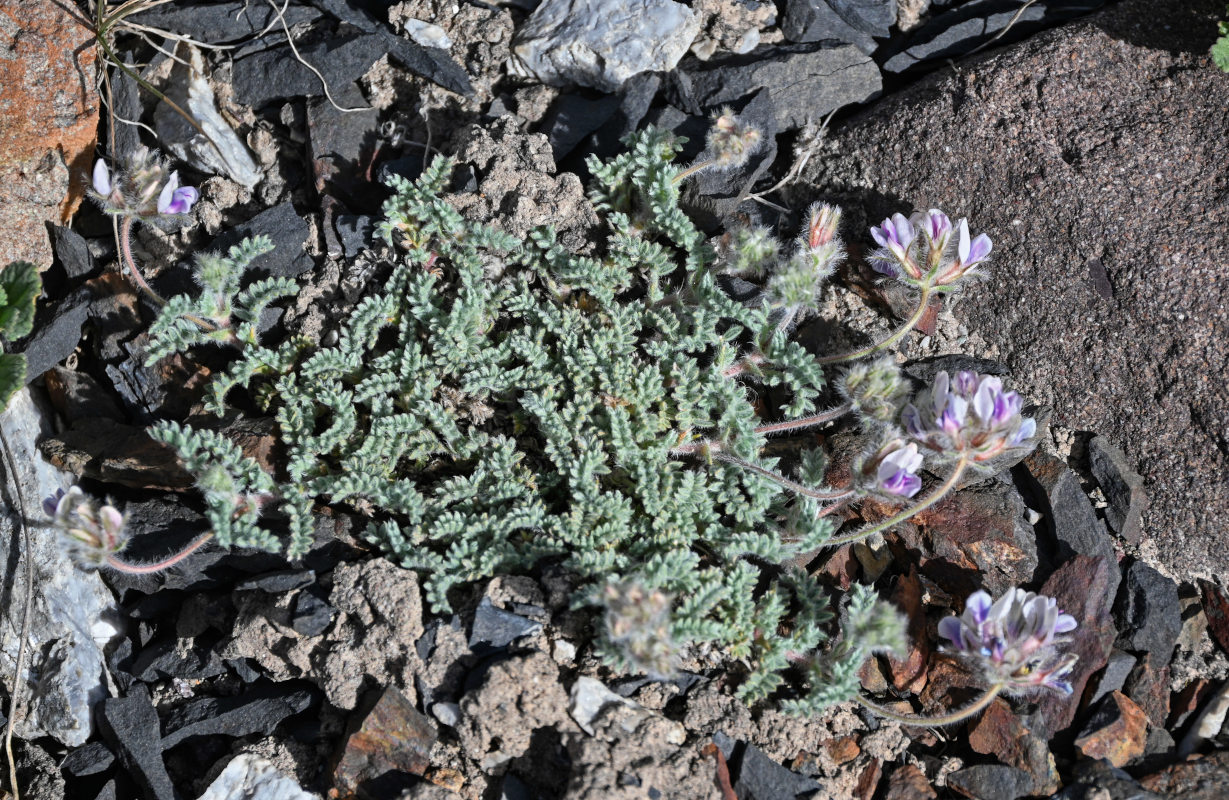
(241, 675)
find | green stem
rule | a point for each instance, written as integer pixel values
(692, 170)
(893, 338)
(933, 722)
(918, 507)
(805, 422)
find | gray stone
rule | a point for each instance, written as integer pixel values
(804, 81)
(287, 230)
(447, 713)
(223, 22)
(68, 627)
(56, 333)
(761, 778)
(495, 628)
(992, 782)
(1098, 780)
(1149, 614)
(88, 759)
(250, 777)
(255, 711)
(1114, 676)
(853, 21)
(602, 43)
(1123, 488)
(588, 697)
(72, 251)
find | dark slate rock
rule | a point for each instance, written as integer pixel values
(77, 396)
(263, 76)
(572, 117)
(246, 668)
(288, 232)
(495, 628)
(635, 98)
(258, 710)
(356, 232)
(513, 788)
(805, 81)
(629, 686)
(126, 103)
(1149, 613)
(761, 778)
(431, 63)
(227, 21)
(1069, 515)
(57, 331)
(1114, 676)
(278, 582)
(90, 758)
(1123, 488)
(969, 25)
(176, 658)
(408, 166)
(992, 782)
(725, 744)
(130, 725)
(72, 251)
(311, 615)
(853, 21)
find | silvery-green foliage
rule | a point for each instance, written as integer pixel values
(488, 420)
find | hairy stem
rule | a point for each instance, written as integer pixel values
(933, 722)
(125, 248)
(916, 508)
(792, 485)
(115, 562)
(785, 426)
(893, 338)
(692, 170)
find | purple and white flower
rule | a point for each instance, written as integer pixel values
(176, 199)
(1013, 641)
(896, 473)
(896, 236)
(970, 415)
(942, 264)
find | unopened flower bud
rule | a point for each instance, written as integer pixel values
(822, 223)
(638, 625)
(731, 141)
(748, 251)
(875, 389)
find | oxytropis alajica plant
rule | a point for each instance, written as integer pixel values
(499, 403)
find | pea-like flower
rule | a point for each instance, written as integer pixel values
(94, 533)
(1012, 642)
(895, 235)
(176, 199)
(970, 416)
(894, 468)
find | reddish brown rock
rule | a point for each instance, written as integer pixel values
(909, 672)
(1204, 778)
(999, 732)
(843, 750)
(1149, 688)
(1081, 587)
(1116, 731)
(1186, 702)
(48, 116)
(907, 782)
(949, 685)
(1216, 609)
(390, 737)
(868, 781)
(973, 539)
(112, 452)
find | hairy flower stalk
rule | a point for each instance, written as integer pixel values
(95, 534)
(938, 720)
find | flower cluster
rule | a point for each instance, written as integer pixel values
(969, 416)
(638, 624)
(799, 278)
(143, 188)
(919, 251)
(94, 533)
(1011, 641)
